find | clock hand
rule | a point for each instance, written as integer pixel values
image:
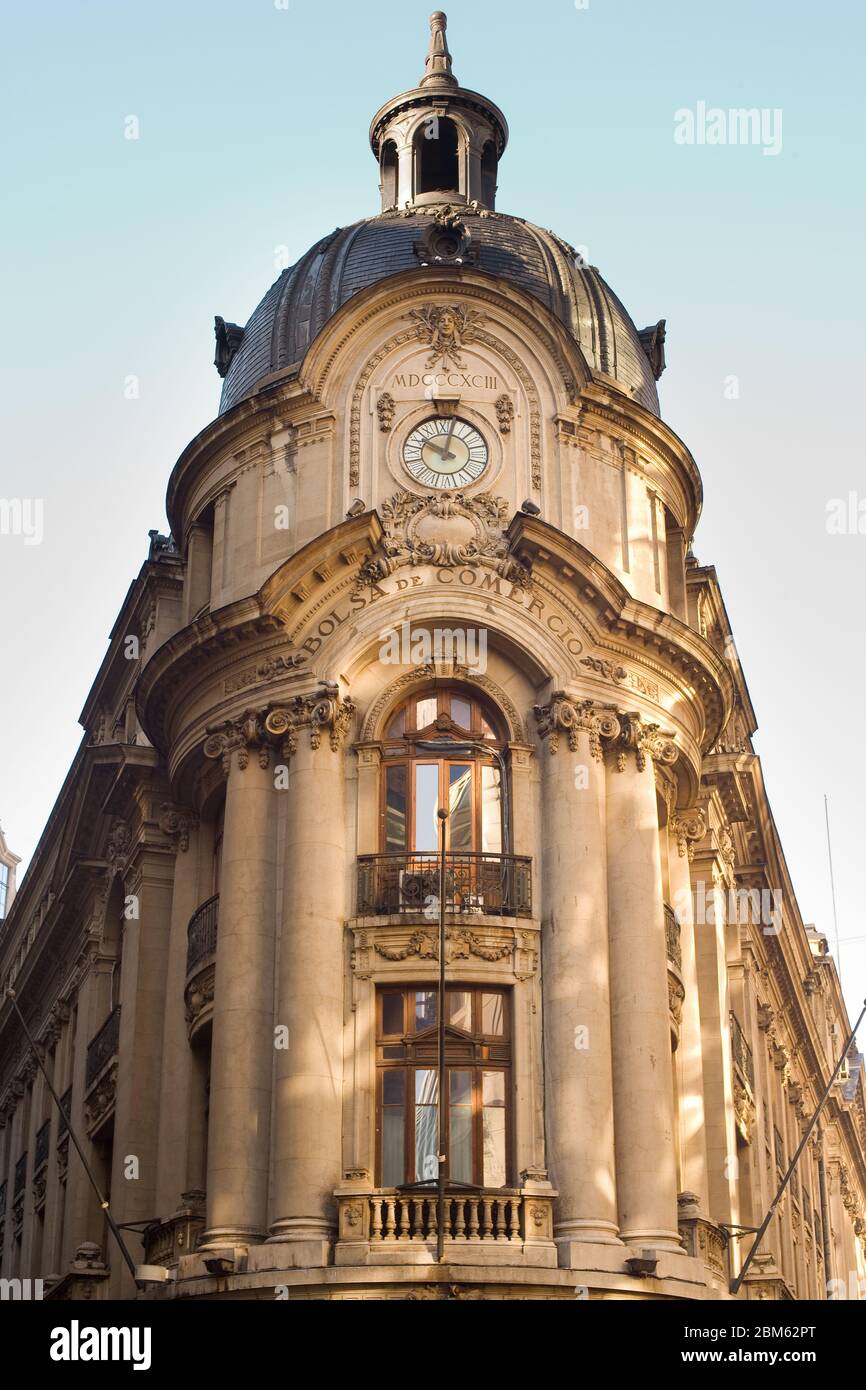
(443, 452)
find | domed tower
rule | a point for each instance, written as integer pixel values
(434, 556)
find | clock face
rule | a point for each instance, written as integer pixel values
(445, 452)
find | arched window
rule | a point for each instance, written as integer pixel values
(443, 748)
(437, 164)
(488, 175)
(389, 175)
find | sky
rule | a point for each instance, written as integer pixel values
(252, 122)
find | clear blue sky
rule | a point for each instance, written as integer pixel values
(117, 255)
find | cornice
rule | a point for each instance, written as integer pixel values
(249, 628)
(671, 646)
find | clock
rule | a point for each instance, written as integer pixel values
(445, 452)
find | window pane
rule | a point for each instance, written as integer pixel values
(426, 1121)
(459, 1009)
(393, 1087)
(393, 1126)
(493, 1128)
(491, 810)
(425, 1009)
(426, 806)
(426, 711)
(493, 1087)
(393, 1135)
(461, 712)
(392, 1014)
(397, 725)
(460, 807)
(460, 1152)
(492, 1015)
(395, 809)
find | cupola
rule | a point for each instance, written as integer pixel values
(438, 142)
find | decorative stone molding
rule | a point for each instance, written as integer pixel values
(446, 329)
(493, 944)
(322, 710)
(744, 1111)
(239, 736)
(118, 847)
(176, 823)
(99, 1102)
(504, 413)
(265, 671)
(385, 407)
(165, 1241)
(199, 997)
(620, 675)
(676, 995)
(687, 827)
(701, 1238)
(447, 531)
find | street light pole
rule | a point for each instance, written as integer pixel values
(442, 1156)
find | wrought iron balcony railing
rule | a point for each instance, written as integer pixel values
(65, 1111)
(40, 1153)
(102, 1047)
(202, 933)
(742, 1052)
(672, 938)
(498, 885)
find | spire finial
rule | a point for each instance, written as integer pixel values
(437, 68)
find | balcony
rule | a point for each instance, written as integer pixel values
(672, 938)
(43, 1136)
(102, 1048)
(401, 1228)
(201, 964)
(201, 934)
(743, 1059)
(100, 1074)
(494, 885)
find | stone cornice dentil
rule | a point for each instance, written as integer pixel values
(607, 728)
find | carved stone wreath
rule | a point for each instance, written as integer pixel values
(444, 530)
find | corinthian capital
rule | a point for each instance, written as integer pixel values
(239, 736)
(687, 827)
(564, 715)
(322, 710)
(606, 727)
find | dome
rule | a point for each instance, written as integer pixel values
(438, 146)
(299, 304)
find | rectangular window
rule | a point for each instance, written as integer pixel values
(477, 1086)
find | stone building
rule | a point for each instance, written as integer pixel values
(433, 551)
(8, 868)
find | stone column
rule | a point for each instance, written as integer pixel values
(685, 828)
(177, 1061)
(309, 1068)
(243, 1041)
(642, 1076)
(576, 980)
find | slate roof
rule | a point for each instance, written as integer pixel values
(303, 299)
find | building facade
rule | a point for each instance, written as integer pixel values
(434, 551)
